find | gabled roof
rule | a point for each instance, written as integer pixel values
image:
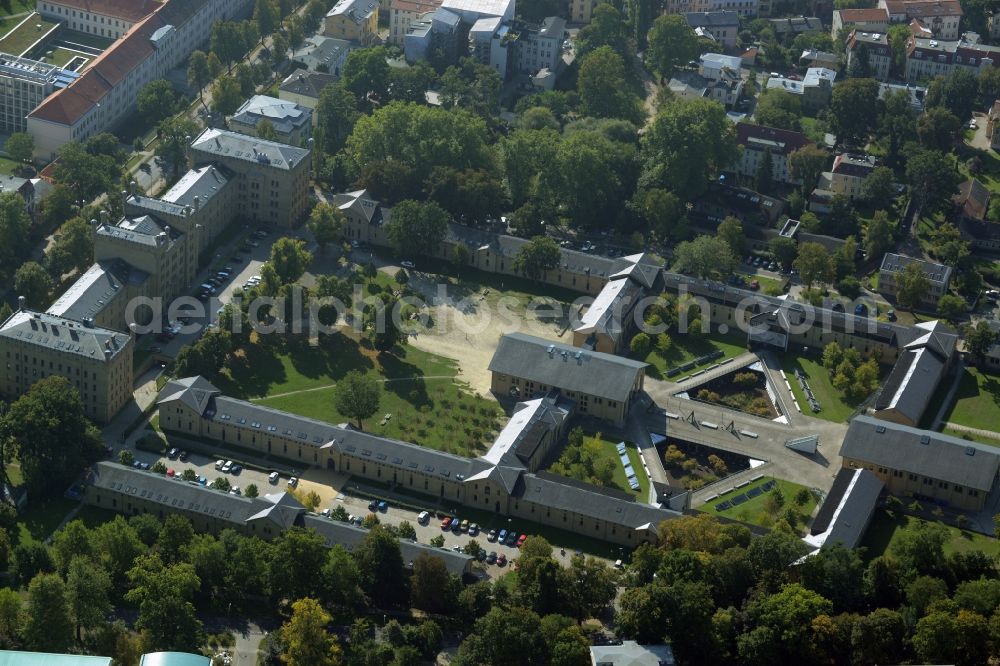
(924, 452)
(565, 367)
(223, 143)
(283, 511)
(847, 509)
(307, 84)
(192, 391)
(874, 15)
(563, 494)
(774, 139)
(895, 263)
(64, 335)
(129, 10)
(973, 198)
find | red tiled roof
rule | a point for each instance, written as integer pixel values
(130, 10)
(791, 141)
(973, 198)
(863, 15)
(932, 8)
(417, 6)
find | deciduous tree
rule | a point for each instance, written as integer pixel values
(357, 395)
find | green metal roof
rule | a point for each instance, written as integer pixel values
(15, 658)
(172, 659)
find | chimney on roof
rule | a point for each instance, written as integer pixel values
(131, 187)
(20, 303)
(197, 202)
(124, 198)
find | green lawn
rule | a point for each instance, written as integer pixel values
(86, 39)
(8, 7)
(977, 403)
(8, 167)
(688, 347)
(834, 406)
(610, 452)
(428, 405)
(885, 530)
(60, 57)
(972, 437)
(752, 511)
(813, 128)
(41, 517)
(17, 40)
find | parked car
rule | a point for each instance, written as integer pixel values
(227, 467)
(511, 538)
(502, 537)
(446, 523)
(465, 525)
(171, 472)
(202, 480)
(373, 506)
(235, 490)
(473, 529)
(326, 512)
(293, 482)
(236, 469)
(273, 477)
(492, 557)
(456, 526)
(501, 560)
(182, 456)
(423, 517)
(383, 506)
(219, 464)
(492, 536)
(407, 264)
(173, 453)
(521, 539)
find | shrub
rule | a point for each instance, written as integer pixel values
(159, 467)
(150, 442)
(126, 458)
(640, 345)
(745, 379)
(189, 475)
(663, 344)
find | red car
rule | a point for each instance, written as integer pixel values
(170, 472)
(446, 523)
(520, 540)
(501, 560)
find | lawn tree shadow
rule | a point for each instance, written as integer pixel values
(404, 380)
(251, 373)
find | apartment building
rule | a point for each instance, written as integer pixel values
(354, 21)
(101, 96)
(922, 464)
(993, 125)
(581, 10)
(97, 361)
(304, 88)
(724, 26)
(540, 47)
(758, 140)
(102, 18)
(849, 174)
(292, 123)
(928, 58)
(875, 47)
(500, 481)
(938, 277)
(608, 322)
(814, 90)
(404, 12)
(866, 20)
(272, 178)
(747, 8)
(24, 84)
(942, 17)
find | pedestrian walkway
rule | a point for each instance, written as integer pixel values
(974, 431)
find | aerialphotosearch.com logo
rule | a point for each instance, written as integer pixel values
(302, 313)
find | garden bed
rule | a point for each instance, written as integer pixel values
(744, 390)
(693, 466)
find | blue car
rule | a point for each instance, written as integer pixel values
(136, 464)
(502, 536)
(144, 466)
(383, 507)
(203, 480)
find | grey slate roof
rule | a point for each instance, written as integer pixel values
(92, 291)
(349, 536)
(203, 182)
(564, 494)
(566, 367)
(223, 143)
(193, 391)
(64, 335)
(307, 84)
(922, 452)
(285, 116)
(847, 509)
(911, 383)
(937, 273)
(711, 19)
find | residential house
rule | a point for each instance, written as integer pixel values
(323, 54)
(540, 47)
(500, 481)
(404, 12)
(603, 386)
(951, 472)
(928, 58)
(917, 94)
(723, 25)
(795, 25)
(871, 45)
(304, 88)
(725, 90)
(849, 174)
(922, 363)
(746, 8)
(938, 277)
(470, 11)
(353, 21)
(993, 125)
(757, 140)
(865, 20)
(814, 90)
(291, 123)
(817, 58)
(439, 30)
(972, 205)
(940, 16)
(492, 43)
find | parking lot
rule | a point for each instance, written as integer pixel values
(204, 466)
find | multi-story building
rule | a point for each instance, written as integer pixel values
(795, 25)
(540, 47)
(292, 123)
(922, 464)
(938, 278)
(272, 177)
(323, 54)
(103, 18)
(993, 125)
(470, 11)
(928, 58)
(865, 20)
(972, 205)
(814, 90)
(438, 30)
(114, 487)
(909, 388)
(304, 88)
(493, 43)
(96, 361)
(725, 89)
(747, 8)
(404, 12)
(758, 140)
(608, 322)
(24, 84)
(942, 17)
(501, 481)
(724, 26)
(353, 21)
(603, 386)
(107, 90)
(873, 46)
(849, 174)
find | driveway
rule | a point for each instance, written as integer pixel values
(979, 139)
